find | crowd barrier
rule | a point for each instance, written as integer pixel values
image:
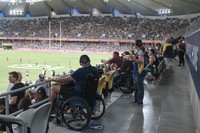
(9, 117)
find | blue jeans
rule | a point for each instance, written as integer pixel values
(139, 91)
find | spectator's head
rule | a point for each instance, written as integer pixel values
(39, 93)
(41, 77)
(115, 54)
(126, 53)
(168, 40)
(152, 51)
(24, 103)
(19, 76)
(127, 57)
(84, 61)
(2, 104)
(13, 77)
(138, 43)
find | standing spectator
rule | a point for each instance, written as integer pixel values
(15, 97)
(181, 51)
(168, 53)
(138, 73)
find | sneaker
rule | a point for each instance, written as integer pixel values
(58, 121)
(132, 101)
(136, 104)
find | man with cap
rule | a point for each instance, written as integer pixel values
(138, 73)
(42, 80)
(73, 84)
(39, 94)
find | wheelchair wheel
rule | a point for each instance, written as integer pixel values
(76, 113)
(99, 108)
(127, 84)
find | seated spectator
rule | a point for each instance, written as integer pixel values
(2, 107)
(127, 64)
(3, 112)
(24, 103)
(78, 78)
(15, 97)
(10, 85)
(39, 94)
(153, 62)
(116, 61)
(42, 80)
(125, 68)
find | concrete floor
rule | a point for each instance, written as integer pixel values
(167, 109)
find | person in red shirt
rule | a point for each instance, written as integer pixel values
(116, 61)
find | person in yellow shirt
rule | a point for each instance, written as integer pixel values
(168, 52)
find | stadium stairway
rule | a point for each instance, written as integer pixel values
(167, 109)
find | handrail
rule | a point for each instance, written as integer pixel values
(14, 91)
(18, 90)
(21, 89)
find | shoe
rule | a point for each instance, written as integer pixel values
(58, 121)
(136, 104)
(132, 101)
(179, 65)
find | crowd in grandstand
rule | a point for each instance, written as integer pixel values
(72, 46)
(92, 27)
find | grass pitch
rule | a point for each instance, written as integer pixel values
(34, 62)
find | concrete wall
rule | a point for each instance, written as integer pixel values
(194, 99)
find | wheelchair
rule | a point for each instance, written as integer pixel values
(77, 112)
(125, 83)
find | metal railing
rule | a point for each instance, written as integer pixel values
(6, 95)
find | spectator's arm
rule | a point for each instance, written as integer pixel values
(104, 61)
(13, 100)
(66, 79)
(140, 59)
(150, 61)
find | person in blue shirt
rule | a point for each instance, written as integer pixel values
(73, 85)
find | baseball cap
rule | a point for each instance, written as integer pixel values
(84, 59)
(39, 90)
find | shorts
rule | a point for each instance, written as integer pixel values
(168, 62)
(67, 91)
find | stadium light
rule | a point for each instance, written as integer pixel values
(16, 12)
(164, 11)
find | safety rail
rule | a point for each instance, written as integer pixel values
(160, 67)
(7, 115)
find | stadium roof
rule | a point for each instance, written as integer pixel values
(63, 7)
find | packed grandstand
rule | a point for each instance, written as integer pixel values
(143, 50)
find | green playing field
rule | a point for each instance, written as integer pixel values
(34, 62)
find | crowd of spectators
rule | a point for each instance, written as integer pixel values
(72, 46)
(94, 27)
